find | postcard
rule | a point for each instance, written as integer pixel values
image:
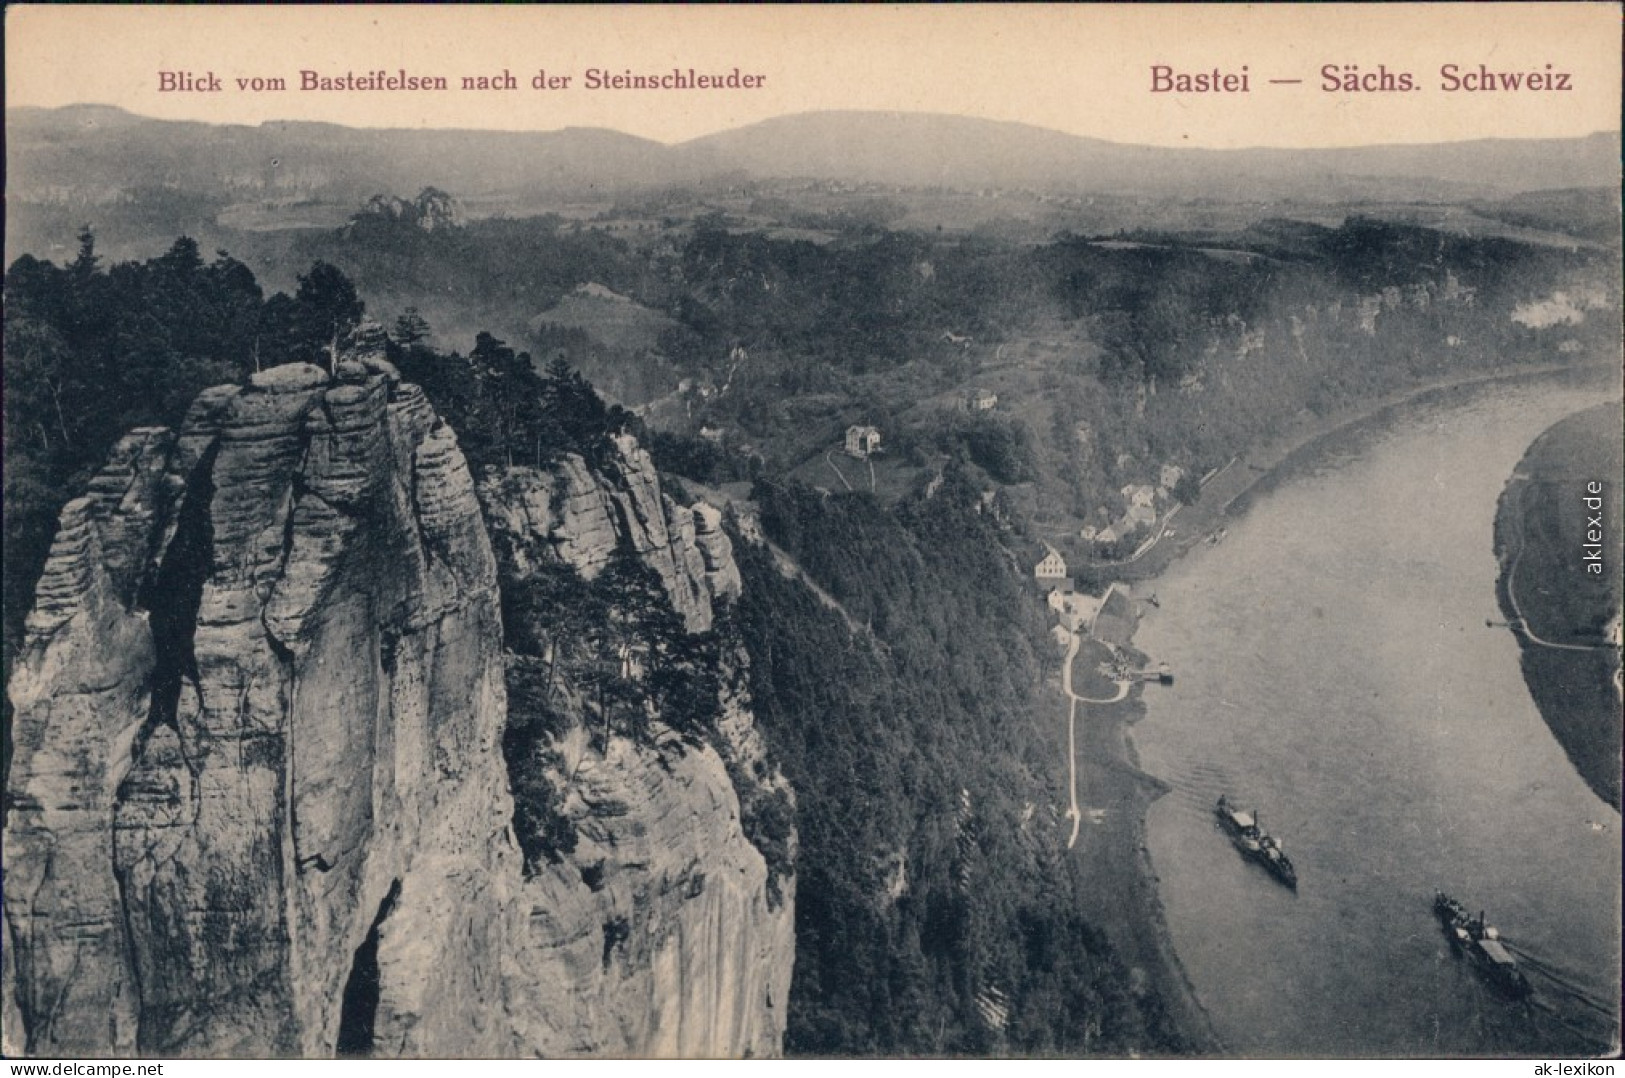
(873, 532)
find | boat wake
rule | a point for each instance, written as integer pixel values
(1199, 786)
(1553, 980)
(1561, 997)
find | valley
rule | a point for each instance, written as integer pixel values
(727, 473)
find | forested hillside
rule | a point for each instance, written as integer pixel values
(1111, 355)
(92, 351)
(936, 911)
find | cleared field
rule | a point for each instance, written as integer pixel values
(607, 317)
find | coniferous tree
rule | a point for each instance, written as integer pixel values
(410, 328)
(327, 309)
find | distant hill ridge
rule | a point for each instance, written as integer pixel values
(922, 149)
(81, 146)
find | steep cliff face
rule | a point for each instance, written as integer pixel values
(580, 516)
(643, 928)
(260, 801)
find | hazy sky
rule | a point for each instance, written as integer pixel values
(1086, 70)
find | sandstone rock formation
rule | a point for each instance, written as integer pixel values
(259, 801)
(694, 943)
(583, 514)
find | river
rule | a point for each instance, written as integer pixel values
(1334, 670)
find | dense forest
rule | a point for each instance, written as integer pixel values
(93, 351)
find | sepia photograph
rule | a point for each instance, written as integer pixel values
(873, 532)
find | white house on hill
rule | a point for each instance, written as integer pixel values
(861, 440)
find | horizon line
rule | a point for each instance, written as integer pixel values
(1252, 148)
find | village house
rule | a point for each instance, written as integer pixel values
(861, 440)
(980, 400)
(1052, 567)
(1171, 475)
(1138, 514)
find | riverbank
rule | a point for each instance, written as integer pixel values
(1559, 611)
(1258, 470)
(1114, 794)
(1109, 765)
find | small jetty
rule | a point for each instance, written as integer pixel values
(1162, 674)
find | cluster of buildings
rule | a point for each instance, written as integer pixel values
(1109, 617)
(1141, 514)
(1075, 608)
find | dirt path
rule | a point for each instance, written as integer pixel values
(787, 567)
(828, 459)
(1122, 897)
(1074, 813)
(1522, 623)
